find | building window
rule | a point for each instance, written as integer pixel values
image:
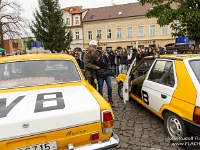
(129, 29)
(68, 21)
(109, 35)
(119, 32)
(76, 20)
(164, 29)
(152, 30)
(77, 35)
(177, 30)
(140, 31)
(99, 33)
(90, 35)
(15, 45)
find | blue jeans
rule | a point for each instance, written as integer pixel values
(100, 86)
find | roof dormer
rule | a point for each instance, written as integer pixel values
(71, 9)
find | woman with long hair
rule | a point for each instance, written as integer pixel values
(123, 58)
(149, 52)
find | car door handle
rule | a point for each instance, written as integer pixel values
(163, 96)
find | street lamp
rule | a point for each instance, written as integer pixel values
(98, 39)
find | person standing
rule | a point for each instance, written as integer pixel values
(140, 56)
(123, 58)
(102, 74)
(149, 52)
(130, 58)
(117, 62)
(88, 66)
(81, 59)
(112, 62)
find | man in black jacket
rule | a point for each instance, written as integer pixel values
(102, 74)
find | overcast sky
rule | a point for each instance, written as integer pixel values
(30, 5)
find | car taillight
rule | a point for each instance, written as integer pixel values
(107, 121)
(95, 136)
(196, 115)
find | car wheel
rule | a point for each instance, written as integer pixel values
(174, 127)
(120, 90)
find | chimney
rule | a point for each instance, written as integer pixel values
(80, 7)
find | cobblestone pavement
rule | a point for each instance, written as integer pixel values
(138, 128)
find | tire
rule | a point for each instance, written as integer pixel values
(120, 90)
(175, 127)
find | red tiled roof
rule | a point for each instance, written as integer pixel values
(113, 12)
(75, 10)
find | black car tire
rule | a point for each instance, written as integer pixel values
(175, 128)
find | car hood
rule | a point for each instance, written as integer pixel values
(38, 111)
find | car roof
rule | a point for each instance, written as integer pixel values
(179, 56)
(36, 56)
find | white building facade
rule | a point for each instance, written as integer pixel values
(73, 17)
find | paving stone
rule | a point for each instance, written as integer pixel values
(130, 131)
(124, 139)
(117, 124)
(133, 141)
(143, 144)
(126, 134)
(137, 134)
(164, 144)
(169, 148)
(144, 140)
(124, 145)
(144, 148)
(156, 146)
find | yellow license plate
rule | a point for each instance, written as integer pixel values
(44, 146)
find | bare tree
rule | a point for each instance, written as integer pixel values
(12, 24)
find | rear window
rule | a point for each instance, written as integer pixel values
(195, 65)
(37, 72)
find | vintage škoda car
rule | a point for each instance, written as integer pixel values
(46, 104)
(170, 89)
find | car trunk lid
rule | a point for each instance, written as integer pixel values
(38, 111)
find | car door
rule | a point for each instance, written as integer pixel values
(160, 84)
(133, 73)
(126, 84)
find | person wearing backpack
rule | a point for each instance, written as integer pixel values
(102, 74)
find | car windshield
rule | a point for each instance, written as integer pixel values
(37, 72)
(195, 65)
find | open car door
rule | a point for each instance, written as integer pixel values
(126, 84)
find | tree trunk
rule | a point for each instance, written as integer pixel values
(197, 44)
(1, 35)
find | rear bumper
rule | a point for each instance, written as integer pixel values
(112, 142)
(192, 127)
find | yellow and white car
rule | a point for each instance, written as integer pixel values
(46, 104)
(171, 90)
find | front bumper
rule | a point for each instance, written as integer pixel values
(112, 142)
(192, 126)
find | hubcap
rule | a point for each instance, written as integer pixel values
(174, 127)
